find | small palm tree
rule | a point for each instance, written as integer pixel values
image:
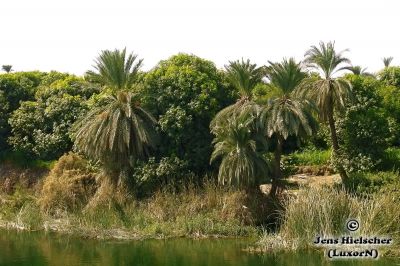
(242, 164)
(328, 92)
(286, 114)
(6, 68)
(120, 131)
(387, 61)
(359, 71)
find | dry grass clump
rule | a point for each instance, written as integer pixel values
(224, 204)
(68, 187)
(323, 211)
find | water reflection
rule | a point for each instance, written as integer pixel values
(21, 248)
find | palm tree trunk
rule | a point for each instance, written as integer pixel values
(335, 145)
(278, 172)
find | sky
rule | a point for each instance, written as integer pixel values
(67, 35)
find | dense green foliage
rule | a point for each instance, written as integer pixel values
(14, 88)
(363, 129)
(157, 127)
(184, 93)
(390, 93)
(40, 128)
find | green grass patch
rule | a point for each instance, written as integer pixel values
(311, 157)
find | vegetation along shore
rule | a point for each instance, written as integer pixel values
(279, 153)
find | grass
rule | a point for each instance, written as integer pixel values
(324, 212)
(210, 211)
(311, 157)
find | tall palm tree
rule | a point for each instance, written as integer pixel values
(387, 61)
(286, 114)
(243, 76)
(120, 131)
(242, 164)
(328, 92)
(6, 68)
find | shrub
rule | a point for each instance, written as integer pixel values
(168, 171)
(68, 187)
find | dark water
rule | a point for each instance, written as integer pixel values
(21, 248)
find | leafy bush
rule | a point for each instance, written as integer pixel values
(14, 88)
(363, 130)
(184, 93)
(41, 128)
(149, 176)
(391, 104)
(390, 76)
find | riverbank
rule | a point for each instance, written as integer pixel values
(211, 213)
(70, 200)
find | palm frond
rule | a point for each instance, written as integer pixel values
(116, 69)
(328, 92)
(286, 75)
(326, 59)
(387, 61)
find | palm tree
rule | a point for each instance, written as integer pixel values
(236, 136)
(119, 132)
(236, 143)
(359, 71)
(286, 114)
(328, 92)
(243, 76)
(387, 61)
(7, 68)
